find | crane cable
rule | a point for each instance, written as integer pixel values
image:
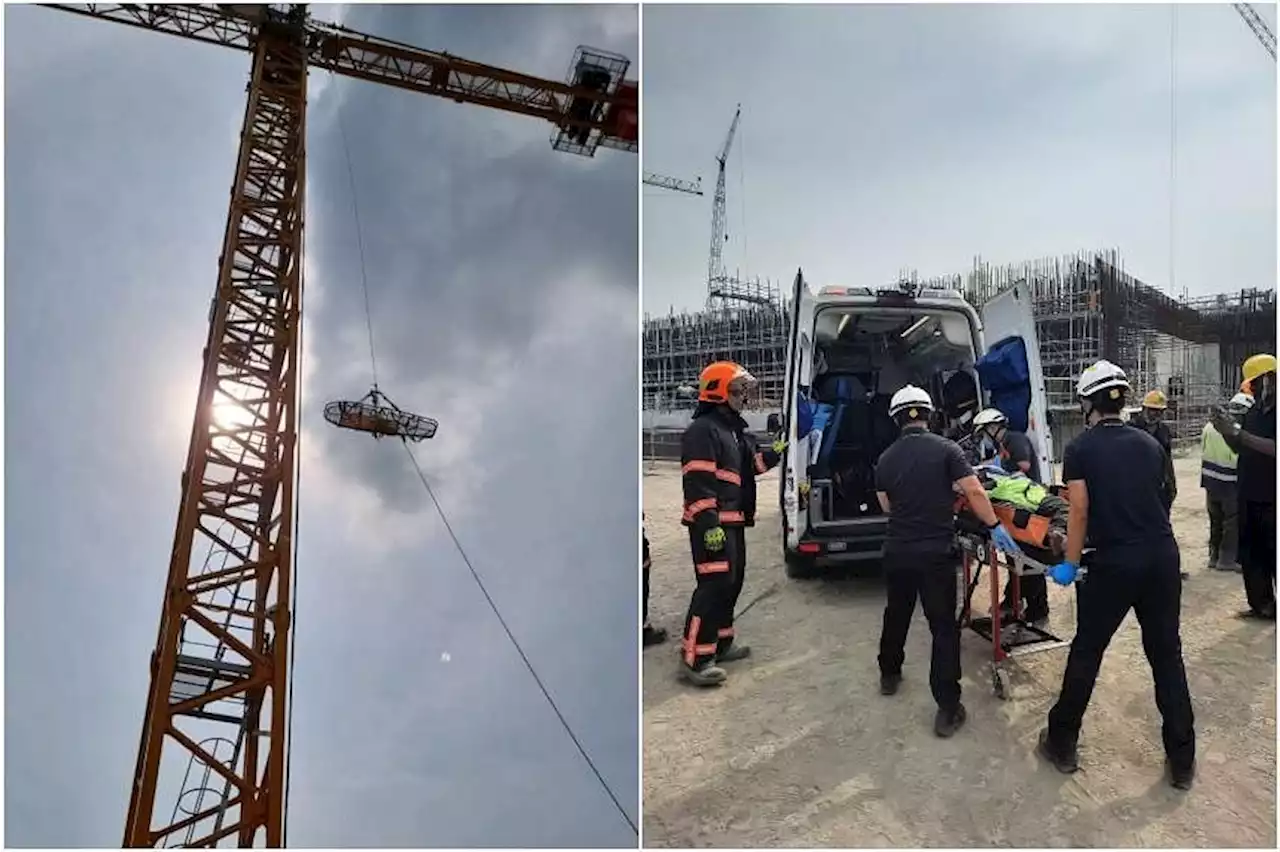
(364, 277)
(440, 511)
(516, 644)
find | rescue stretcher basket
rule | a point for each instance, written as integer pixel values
(379, 416)
(1014, 637)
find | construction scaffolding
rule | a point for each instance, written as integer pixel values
(752, 332)
(1086, 306)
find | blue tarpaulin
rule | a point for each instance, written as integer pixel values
(1006, 377)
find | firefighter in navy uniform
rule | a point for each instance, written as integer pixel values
(1255, 441)
(916, 482)
(1115, 484)
(719, 464)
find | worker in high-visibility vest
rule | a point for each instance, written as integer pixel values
(1218, 479)
(1255, 441)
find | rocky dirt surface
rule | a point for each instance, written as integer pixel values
(798, 748)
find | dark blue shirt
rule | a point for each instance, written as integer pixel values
(1123, 468)
(1255, 471)
(917, 473)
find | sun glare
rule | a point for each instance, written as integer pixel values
(228, 415)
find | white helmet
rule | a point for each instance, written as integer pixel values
(910, 397)
(989, 417)
(1100, 376)
(1241, 400)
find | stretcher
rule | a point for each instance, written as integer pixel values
(1012, 637)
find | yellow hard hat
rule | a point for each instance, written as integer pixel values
(1256, 365)
(1155, 399)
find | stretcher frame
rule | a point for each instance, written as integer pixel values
(1015, 637)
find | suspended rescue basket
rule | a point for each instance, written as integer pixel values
(379, 416)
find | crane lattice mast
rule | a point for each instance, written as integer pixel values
(715, 261)
(216, 706)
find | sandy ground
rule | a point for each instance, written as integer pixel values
(800, 749)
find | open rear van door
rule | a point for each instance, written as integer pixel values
(795, 464)
(1009, 333)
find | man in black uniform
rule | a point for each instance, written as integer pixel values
(1255, 441)
(916, 481)
(649, 635)
(1151, 421)
(719, 465)
(1017, 455)
(1114, 477)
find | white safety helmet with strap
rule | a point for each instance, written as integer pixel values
(990, 417)
(1100, 376)
(912, 401)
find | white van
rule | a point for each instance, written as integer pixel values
(850, 349)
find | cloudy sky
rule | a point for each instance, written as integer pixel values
(503, 283)
(875, 139)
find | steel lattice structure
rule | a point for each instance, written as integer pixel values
(218, 698)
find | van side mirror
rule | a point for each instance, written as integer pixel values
(774, 423)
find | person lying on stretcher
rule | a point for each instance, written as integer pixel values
(1037, 520)
(1022, 503)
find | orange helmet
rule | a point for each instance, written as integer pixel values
(713, 384)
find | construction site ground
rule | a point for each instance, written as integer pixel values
(799, 749)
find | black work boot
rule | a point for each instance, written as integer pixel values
(947, 722)
(652, 636)
(733, 653)
(1065, 762)
(1180, 777)
(889, 683)
(707, 674)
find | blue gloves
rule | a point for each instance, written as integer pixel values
(1003, 541)
(1064, 573)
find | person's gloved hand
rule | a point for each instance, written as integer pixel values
(1003, 541)
(1224, 422)
(714, 538)
(1064, 573)
(779, 445)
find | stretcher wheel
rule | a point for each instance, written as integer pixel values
(999, 683)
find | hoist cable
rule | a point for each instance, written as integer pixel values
(475, 575)
(364, 275)
(293, 585)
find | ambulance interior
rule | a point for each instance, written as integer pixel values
(861, 358)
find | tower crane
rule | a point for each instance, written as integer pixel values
(716, 278)
(692, 187)
(1259, 27)
(220, 670)
(720, 285)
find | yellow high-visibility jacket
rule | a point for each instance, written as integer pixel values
(1217, 461)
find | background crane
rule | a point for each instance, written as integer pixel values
(722, 288)
(217, 707)
(715, 263)
(1259, 27)
(692, 187)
